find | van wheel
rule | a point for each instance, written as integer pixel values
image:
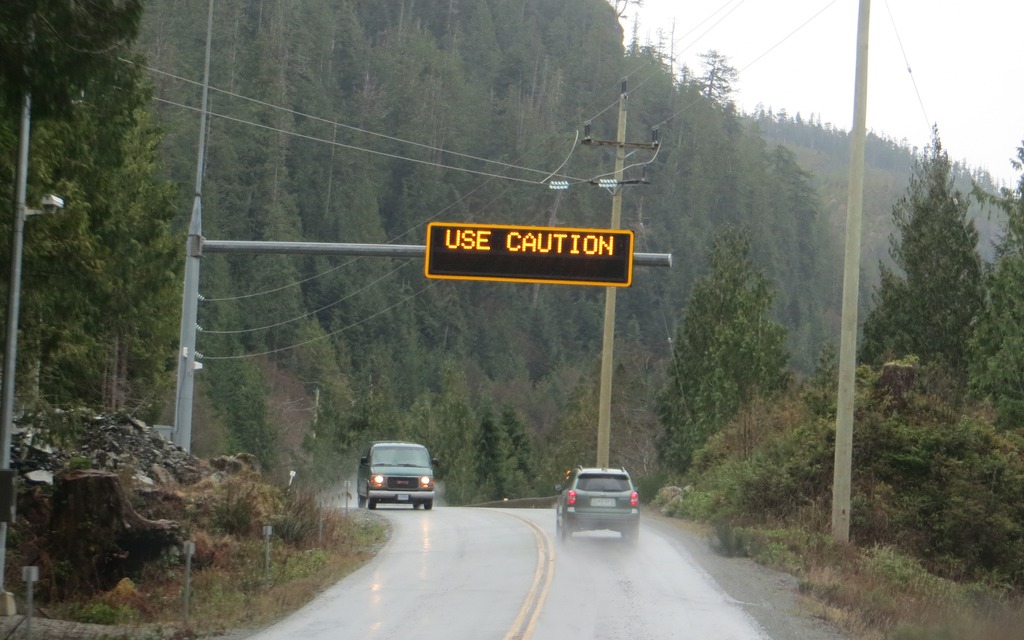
(371, 504)
(428, 505)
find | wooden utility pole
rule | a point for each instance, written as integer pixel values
(604, 410)
(842, 481)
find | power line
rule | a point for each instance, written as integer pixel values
(927, 121)
(695, 41)
(759, 57)
(305, 315)
(282, 288)
(788, 36)
(325, 336)
(343, 145)
(366, 132)
(356, 324)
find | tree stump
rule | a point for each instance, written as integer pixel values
(98, 537)
(895, 383)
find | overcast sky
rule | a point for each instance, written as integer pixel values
(965, 58)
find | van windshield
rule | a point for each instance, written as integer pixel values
(401, 456)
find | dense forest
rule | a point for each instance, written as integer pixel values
(362, 122)
(342, 122)
(345, 121)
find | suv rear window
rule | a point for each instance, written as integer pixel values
(603, 483)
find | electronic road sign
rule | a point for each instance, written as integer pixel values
(551, 255)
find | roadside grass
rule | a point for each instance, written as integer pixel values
(877, 593)
(232, 584)
(935, 547)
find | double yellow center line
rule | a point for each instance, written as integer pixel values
(526, 621)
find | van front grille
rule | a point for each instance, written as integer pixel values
(403, 483)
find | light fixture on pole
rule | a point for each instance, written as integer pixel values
(50, 203)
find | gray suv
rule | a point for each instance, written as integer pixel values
(396, 473)
(596, 498)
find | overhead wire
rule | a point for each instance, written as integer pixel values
(318, 338)
(335, 332)
(281, 288)
(305, 315)
(491, 176)
(369, 133)
(695, 40)
(788, 36)
(913, 81)
(654, 74)
(756, 59)
(350, 146)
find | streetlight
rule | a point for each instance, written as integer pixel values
(50, 203)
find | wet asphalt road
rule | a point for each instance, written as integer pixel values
(482, 574)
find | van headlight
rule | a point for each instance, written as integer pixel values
(426, 482)
(378, 480)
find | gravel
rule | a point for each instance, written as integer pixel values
(770, 597)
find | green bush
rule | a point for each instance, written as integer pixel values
(303, 565)
(79, 462)
(235, 513)
(648, 485)
(100, 613)
(300, 522)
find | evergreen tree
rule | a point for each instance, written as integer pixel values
(446, 424)
(726, 351)
(238, 391)
(500, 469)
(53, 50)
(100, 283)
(997, 345)
(718, 76)
(928, 307)
(509, 82)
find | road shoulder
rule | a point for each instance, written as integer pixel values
(770, 597)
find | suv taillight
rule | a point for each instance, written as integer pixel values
(634, 499)
(570, 497)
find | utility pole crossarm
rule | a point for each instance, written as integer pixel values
(625, 145)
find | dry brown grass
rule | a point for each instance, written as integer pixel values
(230, 586)
(877, 594)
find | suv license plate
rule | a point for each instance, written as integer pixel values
(602, 502)
(402, 497)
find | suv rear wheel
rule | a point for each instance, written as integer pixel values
(561, 531)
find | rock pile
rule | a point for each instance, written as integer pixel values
(110, 443)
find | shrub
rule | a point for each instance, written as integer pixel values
(100, 613)
(299, 524)
(235, 513)
(79, 462)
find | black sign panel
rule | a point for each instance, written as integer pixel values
(552, 255)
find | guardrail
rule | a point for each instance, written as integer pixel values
(547, 502)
